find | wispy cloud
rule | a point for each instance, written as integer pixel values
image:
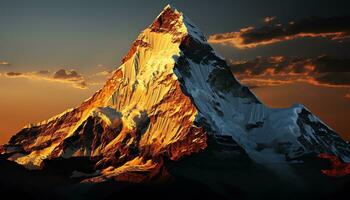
(71, 77)
(61, 75)
(269, 19)
(99, 78)
(333, 28)
(13, 74)
(277, 70)
(3, 62)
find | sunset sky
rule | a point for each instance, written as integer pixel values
(55, 54)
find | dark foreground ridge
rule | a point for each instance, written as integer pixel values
(202, 176)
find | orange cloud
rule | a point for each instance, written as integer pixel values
(104, 73)
(334, 28)
(238, 40)
(278, 70)
(62, 76)
(269, 19)
(99, 78)
(274, 81)
(71, 77)
(3, 62)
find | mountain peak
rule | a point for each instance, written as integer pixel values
(167, 20)
(171, 93)
(170, 22)
(169, 6)
(173, 21)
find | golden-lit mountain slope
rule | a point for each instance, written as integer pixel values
(170, 94)
(139, 116)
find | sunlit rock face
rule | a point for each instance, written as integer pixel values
(170, 94)
(139, 117)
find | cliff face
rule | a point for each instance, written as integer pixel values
(170, 94)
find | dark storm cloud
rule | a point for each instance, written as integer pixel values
(334, 28)
(276, 70)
